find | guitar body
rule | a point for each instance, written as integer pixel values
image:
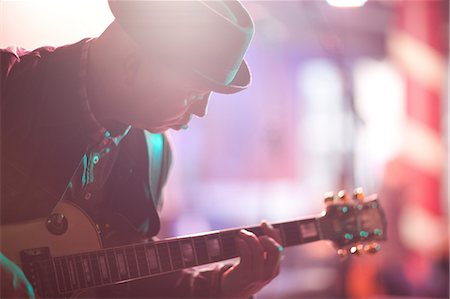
(80, 235)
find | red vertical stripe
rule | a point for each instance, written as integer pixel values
(425, 21)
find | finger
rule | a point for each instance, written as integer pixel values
(26, 285)
(244, 255)
(21, 290)
(22, 286)
(270, 231)
(30, 291)
(256, 264)
(274, 252)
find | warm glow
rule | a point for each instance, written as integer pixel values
(346, 3)
(32, 24)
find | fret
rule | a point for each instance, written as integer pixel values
(66, 274)
(188, 252)
(141, 260)
(80, 272)
(195, 251)
(220, 246)
(104, 268)
(121, 264)
(73, 275)
(164, 257)
(132, 261)
(228, 244)
(291, 232)
(200, 250)
(87, 270)
(175, 255)
(95, 269)
(213, 247)
(153, 261)
(59, 275)
(112, 263)
(308, 230)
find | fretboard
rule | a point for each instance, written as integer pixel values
(125, 263)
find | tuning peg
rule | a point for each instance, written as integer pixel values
(372, 248)
(328, 198)
(357, 249)
(358, 194)
(342, 252)
(343, 196)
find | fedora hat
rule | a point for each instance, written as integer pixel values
(208, 38)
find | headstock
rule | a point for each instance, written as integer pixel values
(355, 224)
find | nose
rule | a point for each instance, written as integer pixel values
(200, 107)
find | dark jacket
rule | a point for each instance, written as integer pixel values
(49, 151)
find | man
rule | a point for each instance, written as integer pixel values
(86, 122)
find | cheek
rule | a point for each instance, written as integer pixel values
(156, 110)
(154, 101)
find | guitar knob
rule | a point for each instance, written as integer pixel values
(328, 198)
(57, 224)
(343, 196)
(372, 248)
(358, 194)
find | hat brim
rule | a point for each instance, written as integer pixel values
(155, 26)
(241, 80)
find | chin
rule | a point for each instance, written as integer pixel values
(157, 130)
(176, 128)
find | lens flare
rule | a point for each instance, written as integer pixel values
(346, 3)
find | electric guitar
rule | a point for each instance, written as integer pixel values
(62, 255)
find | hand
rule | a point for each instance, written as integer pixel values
(14, 284)
(259, 263)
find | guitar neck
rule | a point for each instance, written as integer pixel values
(125, 263)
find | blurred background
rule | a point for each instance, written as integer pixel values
(341, 97)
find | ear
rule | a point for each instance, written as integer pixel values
(131, 69)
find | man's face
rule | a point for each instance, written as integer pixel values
(161, 97)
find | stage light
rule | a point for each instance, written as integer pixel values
(346, 3)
